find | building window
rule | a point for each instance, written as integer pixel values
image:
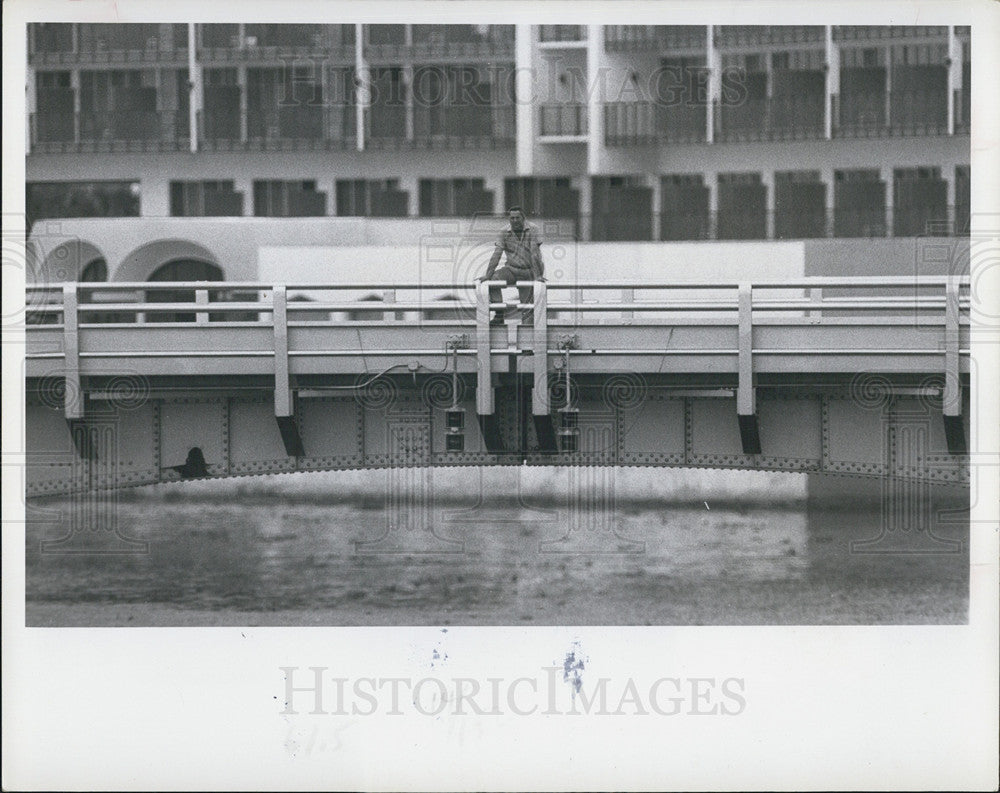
(277, 198)
(800, 205)
(742, 207)
(963, 199)
(205, 199)
(621, 208)
(52, 37)
(367, 198)
(455, 198)
(119, 105)
(858, 203)
(919, 203)
(684, 213)
(386, 34)
(549, 198)
(81, 200)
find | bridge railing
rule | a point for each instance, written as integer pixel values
(599, 301)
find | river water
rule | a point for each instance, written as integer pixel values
(478, 548)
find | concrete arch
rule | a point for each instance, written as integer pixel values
(141, 263)
(66, 261)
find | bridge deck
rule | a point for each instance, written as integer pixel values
(796, 366)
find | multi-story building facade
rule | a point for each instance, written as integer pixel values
(625, 132)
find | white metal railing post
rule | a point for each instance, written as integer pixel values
(282, 392)
(540, 340)
(484, 373)
(952, 404)
(389, 297)
(73, 395)
(746, 405)
(201, 299)
(628, 296)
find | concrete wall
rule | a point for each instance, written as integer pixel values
(451, 249)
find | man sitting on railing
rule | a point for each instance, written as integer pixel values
(522, 244)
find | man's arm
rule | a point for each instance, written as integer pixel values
(494, 261)
(537, 265)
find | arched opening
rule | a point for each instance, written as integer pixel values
(186, 270)
(95, 271)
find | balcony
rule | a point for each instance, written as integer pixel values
(654, 38)
(756, 35)
(464, 127)
(562, 34)
(449, 42)
(566, 120)
(648, 123)
(881, 114)
(771, 118)
(110, 131)
(111, 57)
(250, 52)
(881, 32)
(299, 128)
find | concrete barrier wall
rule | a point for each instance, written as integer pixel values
(451, 249)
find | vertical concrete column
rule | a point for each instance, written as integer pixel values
(409, 122)
(362, 79)
(74, 82)
(954, 76)
(31, 103)
(712, 183)
(586, 207)
(595, 97)
(195, 100)
(241, 80)
(713, 60)
(524, 107)
(657, 204)
(832, 67)
(770, 204)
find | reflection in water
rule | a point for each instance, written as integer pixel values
(349, 563)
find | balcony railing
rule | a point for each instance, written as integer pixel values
(464, 127)
(325, 53)
(111, 131)
(877, 32)
(751, 35)
(646, 123)
(644, 38)
(438, 48)
(555, 33)
(151, 54)
(880, 114)
(300, 128)
(772, 118)
(563, 120)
